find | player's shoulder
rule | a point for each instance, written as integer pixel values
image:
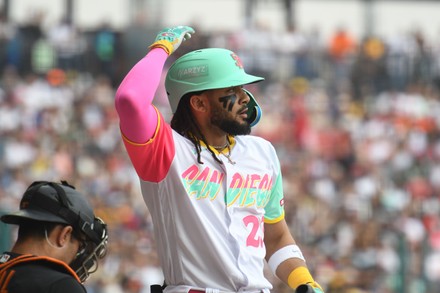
(41, 276)
(255, 143)
(253, 139)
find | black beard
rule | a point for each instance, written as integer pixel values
(221, 120)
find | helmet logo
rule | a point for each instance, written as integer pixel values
(24, 204)
(237, 60)
(193, 71)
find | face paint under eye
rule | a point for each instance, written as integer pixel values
(228, 101)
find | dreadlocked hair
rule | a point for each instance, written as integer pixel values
(183, 123)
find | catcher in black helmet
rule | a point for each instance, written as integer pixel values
(59, 243)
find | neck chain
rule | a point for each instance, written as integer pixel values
(221, 147)
(228, 155)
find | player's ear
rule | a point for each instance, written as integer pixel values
(65, 235)
(198, 103)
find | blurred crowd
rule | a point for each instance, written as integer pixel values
(356, 123)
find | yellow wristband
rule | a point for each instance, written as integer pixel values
(166, 45)
(299, 276)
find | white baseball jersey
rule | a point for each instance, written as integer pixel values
(209, 218)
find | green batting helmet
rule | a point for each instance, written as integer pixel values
(207, 69)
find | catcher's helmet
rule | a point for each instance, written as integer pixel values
(61, 203)
(207, 69)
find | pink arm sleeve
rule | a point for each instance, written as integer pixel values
(134, 97)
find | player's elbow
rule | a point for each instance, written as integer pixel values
(125, 101)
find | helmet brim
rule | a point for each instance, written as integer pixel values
(237, 80)
(34, 214)
(240, 79)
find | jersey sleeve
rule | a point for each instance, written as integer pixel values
(274, 210)
(152, 160)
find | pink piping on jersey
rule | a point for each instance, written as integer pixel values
(152, 160)
(134, 97)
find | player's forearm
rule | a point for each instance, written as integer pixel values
(284, 269)
(289, 265)
(134, 97)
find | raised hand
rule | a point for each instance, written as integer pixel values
(170, 39)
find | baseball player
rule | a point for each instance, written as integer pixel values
(213, 190)
(59, 241)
